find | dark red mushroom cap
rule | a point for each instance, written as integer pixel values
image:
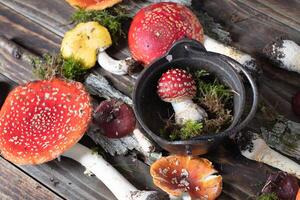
(42, 119)
(284, 185)
(156, 27)
(115, 118)
(176, 85)
(296, 104)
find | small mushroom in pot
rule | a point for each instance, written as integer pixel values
(115, 118)
(177, 174)
(178, 87)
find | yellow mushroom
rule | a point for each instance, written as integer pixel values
(87, 42)
(84, 41)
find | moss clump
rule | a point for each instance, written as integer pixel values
(188, 130)
(72, 69)
(270, 196)
(55, 66)
(112, 18)
(216, 99)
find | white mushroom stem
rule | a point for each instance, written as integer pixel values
(114, 181)
(286, 53)
(187, 110)
(218, 47)
(118, 67)
(261, 152)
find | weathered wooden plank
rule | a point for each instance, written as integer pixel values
(251, 28)
(227, 161)
(55, 16)
(68, 179)
(286, 12)
(17, 185)
(16, 27)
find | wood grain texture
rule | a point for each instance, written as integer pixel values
(17, 185)
(286, 12)
(18, 27)
(55, 16)
(68, 179)
(251, 29)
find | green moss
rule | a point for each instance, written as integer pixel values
(72, 69)
(112, 18)
(188, 130)
(270, 196)
(55, 66)
(212, 88)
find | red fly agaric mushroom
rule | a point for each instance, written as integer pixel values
(115, 118)
(178, 87)
(44, 119)
(93, 4)
(177, 174)
(156, 27)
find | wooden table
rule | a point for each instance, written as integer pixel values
(39, 26)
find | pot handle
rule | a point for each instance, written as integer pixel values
(251, 114)
(183, 47)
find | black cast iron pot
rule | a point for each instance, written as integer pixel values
(152, 112)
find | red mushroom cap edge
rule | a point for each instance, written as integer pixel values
(42, 119)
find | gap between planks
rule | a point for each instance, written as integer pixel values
(15, 184)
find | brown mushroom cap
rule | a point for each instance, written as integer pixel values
(42, 119)
(93, 4)
(115, 118)
(177, 174)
